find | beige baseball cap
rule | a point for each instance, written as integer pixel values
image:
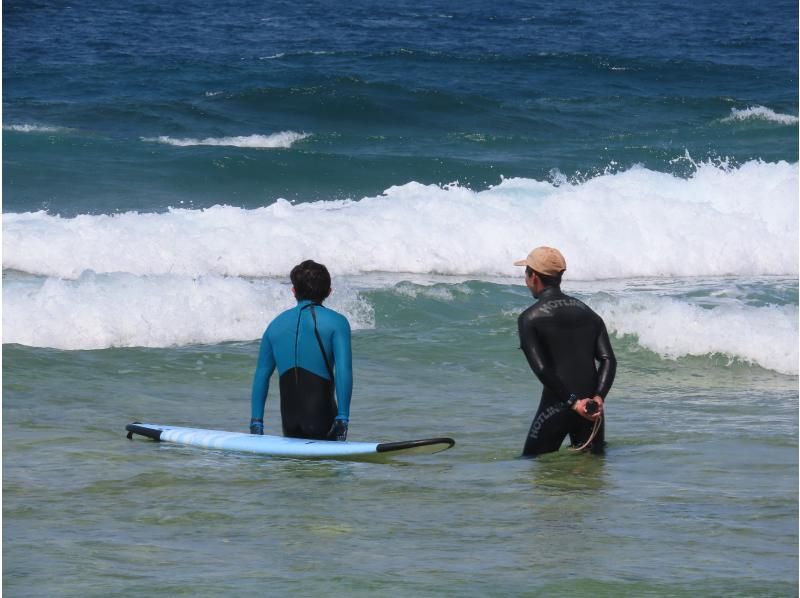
(545, 260)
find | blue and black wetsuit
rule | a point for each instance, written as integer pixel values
(564, 341)
(307, 375)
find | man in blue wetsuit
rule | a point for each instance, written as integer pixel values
(568, 348)
(310, 346)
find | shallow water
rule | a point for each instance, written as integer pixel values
(700, 477)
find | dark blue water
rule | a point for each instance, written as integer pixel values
(431, 92)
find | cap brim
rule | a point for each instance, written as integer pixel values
(521, 263)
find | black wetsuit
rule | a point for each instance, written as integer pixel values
(564, 340)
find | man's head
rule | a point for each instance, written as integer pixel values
(544, 267)
(311, 281)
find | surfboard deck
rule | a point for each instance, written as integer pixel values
(279, 446)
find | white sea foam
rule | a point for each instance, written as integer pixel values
(122, 310)
(297, 54)
(637, 223)
(760, 113)
(439, 293)
(766, 336)
(23, 128)
(283, 139)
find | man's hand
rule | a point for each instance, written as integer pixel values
(590, 408)
(257, 426)
(338, 430)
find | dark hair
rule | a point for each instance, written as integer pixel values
(548, 281)
(311, 281)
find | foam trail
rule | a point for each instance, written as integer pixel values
(638, 223)
(284, 139)
(766, 336)
(123, 310)
(760, 113)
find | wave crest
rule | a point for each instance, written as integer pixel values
(766, 336)
(760, 113)
(122, 310)
(284, 139)
(637, 223)
(26, 128)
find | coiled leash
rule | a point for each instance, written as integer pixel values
(595, 428)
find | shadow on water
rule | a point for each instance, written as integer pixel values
(567, 473)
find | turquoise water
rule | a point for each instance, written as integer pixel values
(699, 478)
(164, 167)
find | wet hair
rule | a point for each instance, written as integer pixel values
(548, 281)
(311, 281)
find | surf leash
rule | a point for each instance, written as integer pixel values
(595, 429)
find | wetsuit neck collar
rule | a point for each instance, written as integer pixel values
(549, 292)
(306, 302)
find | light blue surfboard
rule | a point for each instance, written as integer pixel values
(278, 446)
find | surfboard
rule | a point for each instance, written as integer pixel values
(278, 446)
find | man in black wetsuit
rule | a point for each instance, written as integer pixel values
(564, 341)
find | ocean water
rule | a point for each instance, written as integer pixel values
(164, 167)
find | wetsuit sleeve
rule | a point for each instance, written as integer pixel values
(607, 370)
(343, 362)
(534, 352)
(264, 369)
